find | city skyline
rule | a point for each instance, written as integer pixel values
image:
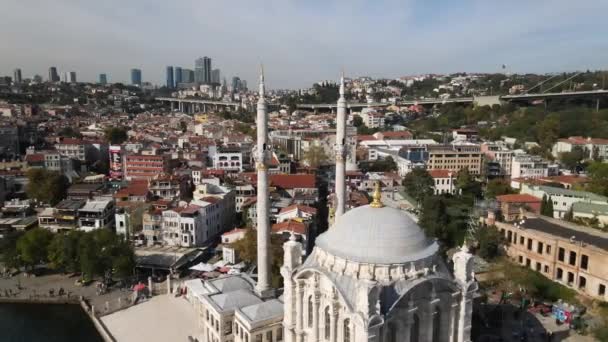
(305, 42)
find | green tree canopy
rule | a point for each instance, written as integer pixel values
(33, 245)
(116, 135)
(382, 165)
(315, 156)
(63, 251)
(467, 184)
(246, 249)
(572, 159)
(598, 173)
(418, 184)
(489, 242)
(46, 186)
(497, 187)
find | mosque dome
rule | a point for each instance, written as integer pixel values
(377, 235)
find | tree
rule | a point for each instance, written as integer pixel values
(497, 187)
(9, 255)
(46, 186)
(489, 242)
(183, 125)
(116, 135)
(573, 158)
(383, 165)
(315, 156)
(598, 173)
(418, 184)
(546, 206)
(434, 219)
(69, 132)
(357, 121)
(63, 251)
(246, 249)
(467, 184)
(33, 246)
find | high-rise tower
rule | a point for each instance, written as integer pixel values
(170, 82)
(262, 158)
(340, 150)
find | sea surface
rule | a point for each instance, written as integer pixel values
(45, 322)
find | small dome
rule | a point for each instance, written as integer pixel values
(377, 236)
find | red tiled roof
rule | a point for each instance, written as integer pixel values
(135, 188)
(517, 198)
(189, 209)
(34, 158)
(441, 173)
(289, 226)
(365, 137)
(286, 181)
(304, 208)
(398, 134)
(235, 231)
(210, 199)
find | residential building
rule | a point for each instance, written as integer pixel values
(562, 198)
(594, 148)
(74, 148)
(511, 205)
(530, 166)
(142, 166)
(53, 74)
(500, 154)
(465, 134)
(17, 77)
(96, 214)
(444, 182)
(202, 70)
(372, 119)
(103, 79)
(455, 157)
(572, 255)
(230, 161)
(62, 217)
(9, 141)
(165, 186)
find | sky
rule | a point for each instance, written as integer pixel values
(301, 41)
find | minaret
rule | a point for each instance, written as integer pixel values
(262, 157)
(341, 153)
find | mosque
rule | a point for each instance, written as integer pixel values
(372, 277)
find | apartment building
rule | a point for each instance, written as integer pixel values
(562, 199)
(455, 157)
(499, 154)
(444, 182)
(593, 147)
(529, 166)
(165, 186)
(572, 255)
(140, 166)
(96, 214)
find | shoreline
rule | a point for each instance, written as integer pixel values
(56, 301)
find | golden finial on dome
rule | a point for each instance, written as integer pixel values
(377, 197)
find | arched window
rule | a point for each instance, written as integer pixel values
(415, 329)
(327, 324)
(310, 312)
(346, 330)
(436, 325)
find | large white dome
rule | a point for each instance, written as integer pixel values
(377, 236)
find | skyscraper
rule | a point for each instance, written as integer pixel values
(136, 77)
(17, 76)
(103, 79)
(188, 76)
(202, 70)
(65, 77)
(53, 75)
(72, 77)
(236, 84)
(178, 76)
(215, 76)
(170, 83)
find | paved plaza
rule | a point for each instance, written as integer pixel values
(162, 318)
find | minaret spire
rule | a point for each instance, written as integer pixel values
(262, 157)
(341, 152)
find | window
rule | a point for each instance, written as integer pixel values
(572, 258)
(560, 274)
(521, 259)
(548, 249)
(346, 330)
(539, 247)
(227, 328)
(601, 290)
(514, 237)
(521, 240)
(528, 262)
(546, 269)
(570, 277)
(584, 261)
(258, 338)
(538, 266)
(327, 324)
(437, 325)
(582, 282)
(415, 329)
(269, 335)
(560, 254)
(509, 235)
(280, 334)
(529, 244)
(310, 312)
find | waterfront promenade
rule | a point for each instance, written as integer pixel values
(36, 289)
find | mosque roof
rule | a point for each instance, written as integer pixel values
(378, 235)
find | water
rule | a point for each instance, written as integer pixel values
(45, 322)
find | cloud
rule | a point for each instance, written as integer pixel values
(300, 42)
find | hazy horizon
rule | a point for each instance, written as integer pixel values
(301, 42)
